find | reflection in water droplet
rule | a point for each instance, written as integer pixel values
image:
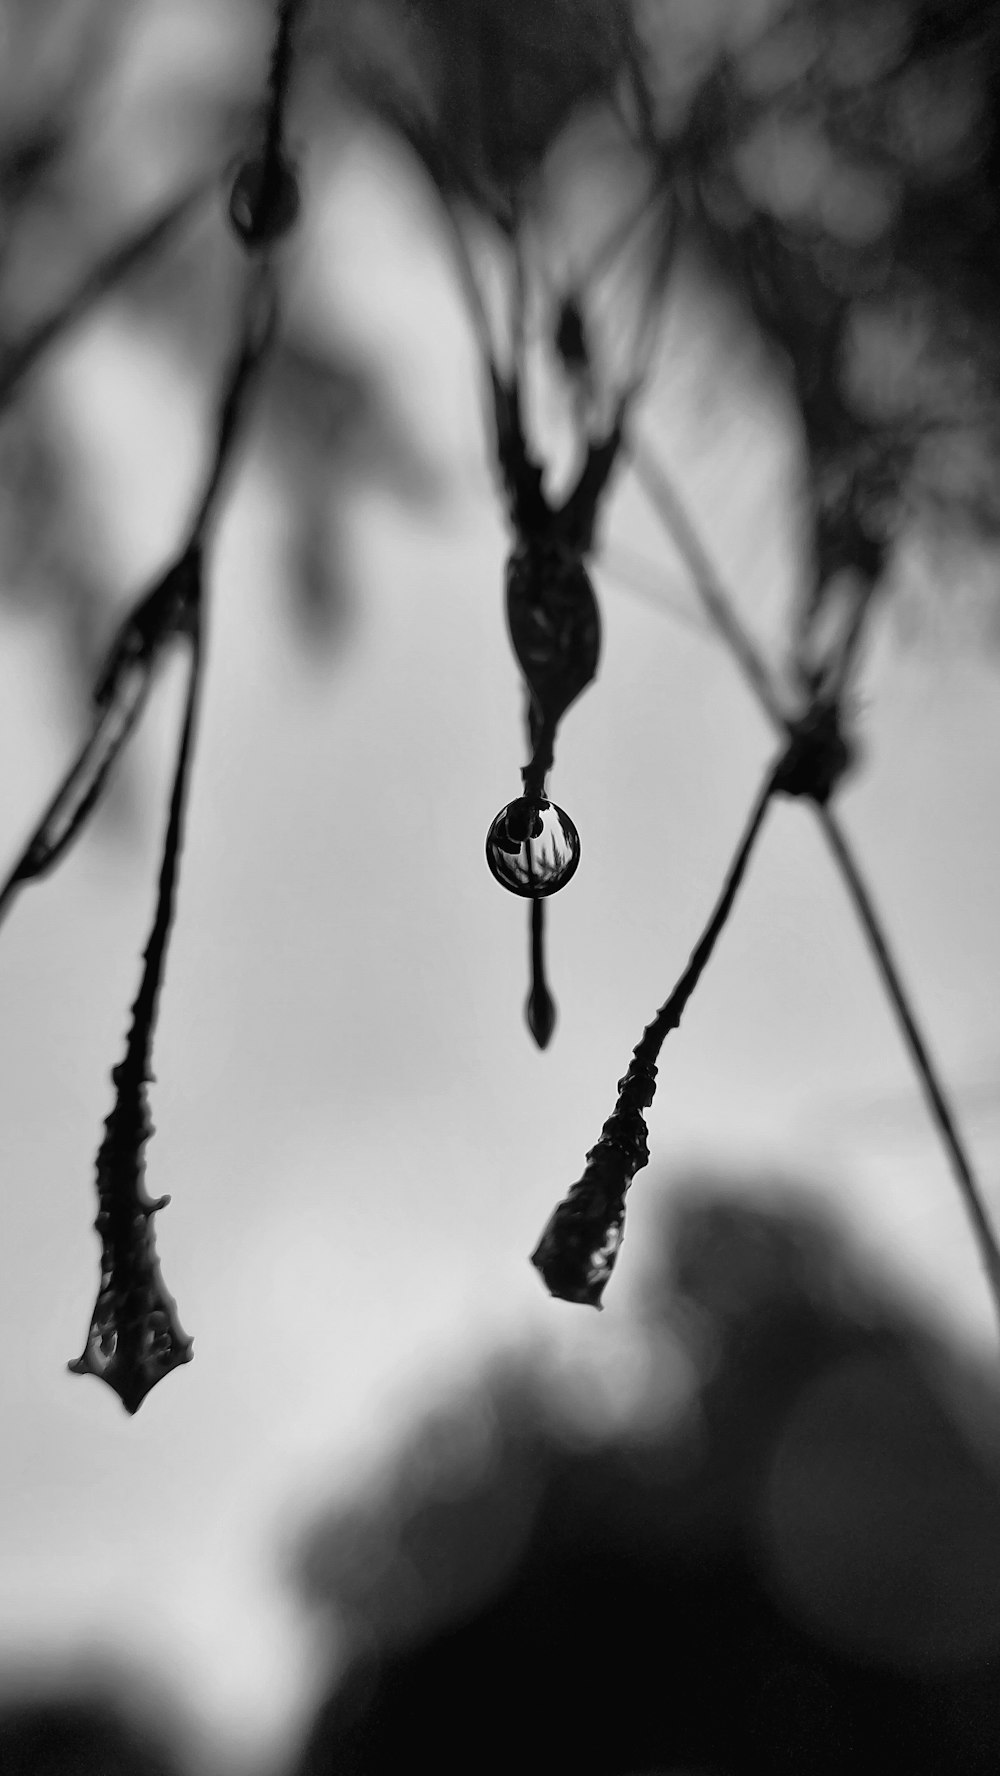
(532, 848)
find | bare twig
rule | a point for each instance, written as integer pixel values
(576, 1253)
(135, 1336)
(719, 606)
(126, 677)
(924, 1066)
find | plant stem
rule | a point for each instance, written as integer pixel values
(716, 600)
(579, 1245)
(720, 609)
(926, 1070)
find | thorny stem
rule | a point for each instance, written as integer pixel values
(135, 1336)
(256, 337)
(540, 1009)
(576, 1253)
(125, 679)
(533, 774)
(18, 359)
(136, 1065)
(719, 607)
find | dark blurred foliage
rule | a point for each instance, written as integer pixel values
(482, 89)
(85, 167)
(834, 166)
(791, 1563)
(80, 1734)
(832, 163)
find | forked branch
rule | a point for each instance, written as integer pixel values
(720, 609)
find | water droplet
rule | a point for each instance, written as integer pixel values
(532, 848)
(264, 201)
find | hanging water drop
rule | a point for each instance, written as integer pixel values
(532, 848)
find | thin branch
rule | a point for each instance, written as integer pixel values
(126, 677)
(719, 606)
(135, 1336)
(280, 75)
(720, 609)
(576, 1253)
(925, 1068)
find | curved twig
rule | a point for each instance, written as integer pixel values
(576, 1253)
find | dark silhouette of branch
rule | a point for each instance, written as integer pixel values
(720, 609)
(135, 1335)
(127, 674)
(576, 1253)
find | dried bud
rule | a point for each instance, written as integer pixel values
(576, 1253)
(554, 623)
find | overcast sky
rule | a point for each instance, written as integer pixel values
(360, 1140)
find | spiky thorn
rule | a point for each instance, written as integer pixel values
(135, 1336)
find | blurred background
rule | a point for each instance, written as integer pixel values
(360, 1140)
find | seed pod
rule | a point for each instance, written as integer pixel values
(554, 624)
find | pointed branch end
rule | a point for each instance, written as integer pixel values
(540, 1015)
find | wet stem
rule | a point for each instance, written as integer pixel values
(720, 609)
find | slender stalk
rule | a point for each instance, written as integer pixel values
(716, 600)
(719, 607)
(127, 674)
(578, 1248)
(926, 1071)
(260, 316)
(540, 1009)
(135, 1336)
(670, 1013)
